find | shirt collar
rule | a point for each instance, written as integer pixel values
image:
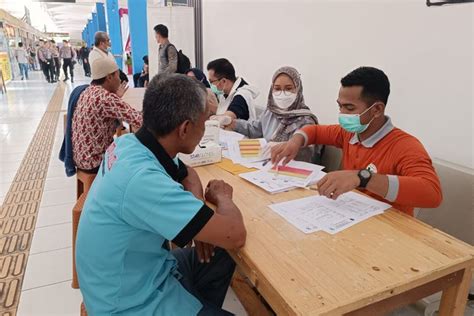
(376, 137)
(176, 172)
(235, 86)
(165, 43)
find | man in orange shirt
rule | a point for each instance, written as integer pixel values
(378, 158)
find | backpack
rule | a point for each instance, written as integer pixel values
(183, 61)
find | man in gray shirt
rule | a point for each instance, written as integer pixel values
(168, 54)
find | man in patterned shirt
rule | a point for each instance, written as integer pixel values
(96, 116)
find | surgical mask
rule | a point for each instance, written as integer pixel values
(351, 122)
(284, 101)
(215, 90)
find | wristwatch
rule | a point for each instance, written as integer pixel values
(364, 176)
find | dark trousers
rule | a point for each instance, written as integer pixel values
(135, 79)
(139, 80)
(57, 67)
(67, 63)
(48, 69)
(86, 66)
(208, 282)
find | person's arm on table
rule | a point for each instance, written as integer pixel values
(308, 135)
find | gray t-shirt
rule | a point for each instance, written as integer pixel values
(168, 59)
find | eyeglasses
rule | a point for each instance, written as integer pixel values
(285, 92)
(215, 80)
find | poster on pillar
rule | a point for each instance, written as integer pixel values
(125, 30)
(180, 23)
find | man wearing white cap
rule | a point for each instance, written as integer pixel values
(96, 116)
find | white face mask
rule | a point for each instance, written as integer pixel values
(284, 101)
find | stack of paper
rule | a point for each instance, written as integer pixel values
(284, 178)
(316, 213)
(248, 150)
(226, 138)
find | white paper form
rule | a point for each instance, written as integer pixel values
(297, 173)
(267, 181)
(226, 137)
(316, 213)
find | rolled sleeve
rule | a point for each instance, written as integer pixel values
(251, 129)
(393, 188)
(302, 133)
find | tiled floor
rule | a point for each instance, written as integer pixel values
(46, 288)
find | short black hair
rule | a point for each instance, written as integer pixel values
(374, 82)
(170, 100)
(20, 44)
(145, 59)
(222, 69)
(98, 82)
(162, 30)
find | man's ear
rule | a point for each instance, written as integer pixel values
(379, 108)
(184, 129)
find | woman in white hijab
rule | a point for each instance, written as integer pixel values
(286, 112)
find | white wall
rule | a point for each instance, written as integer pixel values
(180, 23)
(427, 54)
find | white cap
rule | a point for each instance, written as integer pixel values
(102, 67)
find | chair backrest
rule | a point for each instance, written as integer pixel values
(455, 215)
(331, 158)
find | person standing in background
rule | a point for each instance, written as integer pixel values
(167, 52)
(57, 62)
(101, 49)
(84, 56)
(32, 57)
(46, 59)
(21, 56)
(68, 54)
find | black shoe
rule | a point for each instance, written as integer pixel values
(66, 79)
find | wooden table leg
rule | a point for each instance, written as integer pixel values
(454, 299)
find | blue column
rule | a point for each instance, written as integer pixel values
(90, 26)
(138, 32)
(101, 17)
(95, 21)
(113, 21)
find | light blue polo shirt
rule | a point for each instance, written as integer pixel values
(133, 207)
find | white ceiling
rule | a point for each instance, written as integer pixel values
(58, 17)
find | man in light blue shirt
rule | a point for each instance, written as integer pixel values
(144, 196)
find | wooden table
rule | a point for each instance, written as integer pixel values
(373, 267)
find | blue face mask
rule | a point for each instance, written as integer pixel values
(351, 122)
(215, 90)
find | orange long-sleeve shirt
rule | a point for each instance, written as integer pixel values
(397, 154)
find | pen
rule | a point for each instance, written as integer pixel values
(265, 162)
